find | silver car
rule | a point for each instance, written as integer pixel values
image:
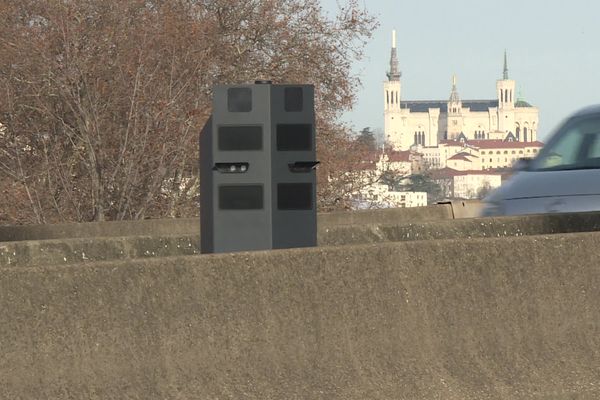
(564, 177)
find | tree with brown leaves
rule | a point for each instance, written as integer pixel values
(102, 100)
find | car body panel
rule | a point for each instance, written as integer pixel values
(574, 188)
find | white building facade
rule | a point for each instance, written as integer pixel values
(380, 196)
(467, 185)
(427, 123)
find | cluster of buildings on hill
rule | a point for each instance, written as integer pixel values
(467, 146)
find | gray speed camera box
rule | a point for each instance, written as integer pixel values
(257, 169)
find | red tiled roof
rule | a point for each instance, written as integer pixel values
(452, 142)
(491, 144)
(461, 156)
(399, 156)
(501, 144)
(480, 172)
(443, 173)
(450, 172)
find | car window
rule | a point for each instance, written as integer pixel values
(594, 149)
(575, 147)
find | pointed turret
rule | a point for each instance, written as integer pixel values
(455, 118)
(454, 97)
(506, 88)
(392, 89)
(394, 74)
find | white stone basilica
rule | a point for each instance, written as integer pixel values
(427, 124)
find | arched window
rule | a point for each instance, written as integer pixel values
(525, 134)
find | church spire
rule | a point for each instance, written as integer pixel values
(454, 98)
(394, 74)
(505, 71)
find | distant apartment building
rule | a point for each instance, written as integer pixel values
(474, 184)
(427, 124)
(406, 162)
(379, 195)
(463, 154)
(372, 192)
(467, 184)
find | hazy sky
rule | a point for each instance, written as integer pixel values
(553, 51)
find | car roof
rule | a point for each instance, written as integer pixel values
(593, 109)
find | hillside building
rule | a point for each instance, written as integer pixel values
(428, 123)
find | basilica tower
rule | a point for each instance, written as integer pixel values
(455, 117)
(391, 98)
(505, 89)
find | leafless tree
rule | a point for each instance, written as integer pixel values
(103, 100)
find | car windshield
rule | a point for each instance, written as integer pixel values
(575, 146)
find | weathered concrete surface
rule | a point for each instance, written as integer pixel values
(462, 228)
(506, 318)
(154, 227)
(464, 208)
(387, 215)
(186, 226)
(31, 253)
(69, 251)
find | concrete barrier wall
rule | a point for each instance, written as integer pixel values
(69, 251)
(464, 208)
(462, 228)
(387, 216)
(506, 318)
(186, 226)
(32, 253)
(157, 227)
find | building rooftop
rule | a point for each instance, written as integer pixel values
(425, 105)
(447, 173)
(461, 156)
(522, 103)
(491, 144)
(399, 156)
(501, 144)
